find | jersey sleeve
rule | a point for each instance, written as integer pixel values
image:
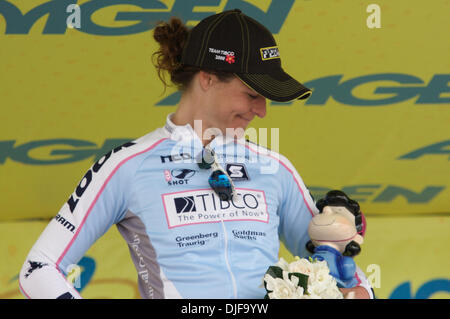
(98, 202)
(364, 282)
(296, 210)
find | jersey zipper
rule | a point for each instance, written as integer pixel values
(225, 235)
(227, 261)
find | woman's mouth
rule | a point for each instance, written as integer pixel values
(245, 119)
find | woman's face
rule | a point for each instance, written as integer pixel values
(232, 105)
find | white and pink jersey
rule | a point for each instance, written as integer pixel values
(184, 240)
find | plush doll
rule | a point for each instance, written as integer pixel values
(336, 235)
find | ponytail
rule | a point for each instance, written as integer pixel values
(172, 36)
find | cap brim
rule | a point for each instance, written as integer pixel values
(279, 86)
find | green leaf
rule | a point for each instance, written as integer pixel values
(302, 279)
(275, 272)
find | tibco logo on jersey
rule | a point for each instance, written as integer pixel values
(204, 206)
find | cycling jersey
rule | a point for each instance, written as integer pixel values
(184, 240)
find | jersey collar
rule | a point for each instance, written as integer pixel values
(185, 133)
(179, 133)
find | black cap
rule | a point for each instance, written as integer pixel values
(233, 42)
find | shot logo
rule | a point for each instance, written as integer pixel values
(182, 173)
(185, 204)
(178, 176)
(269, 53)
(204, 206)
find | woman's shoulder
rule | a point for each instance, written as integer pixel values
(267, 155)
(129, 155)
(151, 139)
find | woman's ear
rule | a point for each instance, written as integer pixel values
(205, 80)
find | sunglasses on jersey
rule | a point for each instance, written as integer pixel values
(220, 181)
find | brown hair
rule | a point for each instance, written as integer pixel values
(172, 36)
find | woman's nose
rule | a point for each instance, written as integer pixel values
(259, 108)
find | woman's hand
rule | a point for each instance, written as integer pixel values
(355, 293)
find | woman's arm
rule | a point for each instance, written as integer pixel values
(98, 202)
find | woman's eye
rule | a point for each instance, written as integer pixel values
(252, 96)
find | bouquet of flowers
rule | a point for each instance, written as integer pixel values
(301, 279)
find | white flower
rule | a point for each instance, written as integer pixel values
(283, 288)
(320, 272)
(320, 266)
(283, 264)
(302, 266)
(321, 285)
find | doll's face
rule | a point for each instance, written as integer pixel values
(334, 227)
